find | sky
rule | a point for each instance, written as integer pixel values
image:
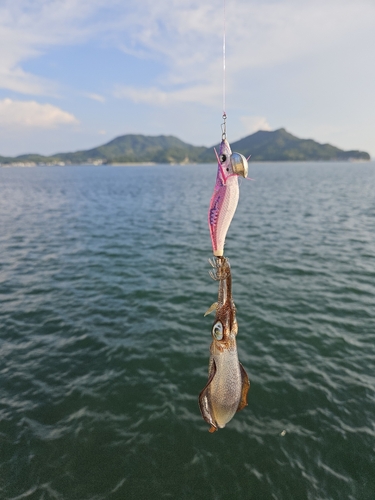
(75, 74)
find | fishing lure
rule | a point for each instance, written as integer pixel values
(226, 390)
(224, 200)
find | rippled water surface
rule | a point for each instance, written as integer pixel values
(104, 347)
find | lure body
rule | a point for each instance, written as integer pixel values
(226, 390)
(224, 200)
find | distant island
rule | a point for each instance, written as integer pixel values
(277, 145)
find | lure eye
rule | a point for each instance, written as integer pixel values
(217, 330)
(223, 158)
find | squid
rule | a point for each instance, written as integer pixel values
(224, 200)
(228, 384)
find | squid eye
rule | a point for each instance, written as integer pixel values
(217, 330)
(223, 158)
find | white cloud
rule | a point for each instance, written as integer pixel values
(33, 114)
(183, 35)
(259, 35)
(28, 28)
(152, 95)
(252, 124)
(95, 97)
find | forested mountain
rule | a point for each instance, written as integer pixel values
(278, 145)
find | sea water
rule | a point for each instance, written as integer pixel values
(104, 347)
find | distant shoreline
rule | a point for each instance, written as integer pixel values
(128, 164)
(153, 164)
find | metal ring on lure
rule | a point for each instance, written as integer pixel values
(239, 164)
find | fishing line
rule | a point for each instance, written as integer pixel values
(224, 125)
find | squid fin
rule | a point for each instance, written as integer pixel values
(211, 308)
(245, 388)
(204, 400)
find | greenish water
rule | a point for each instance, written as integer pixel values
(104, 347)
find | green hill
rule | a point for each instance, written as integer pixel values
(278, 145)
(139, 149)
